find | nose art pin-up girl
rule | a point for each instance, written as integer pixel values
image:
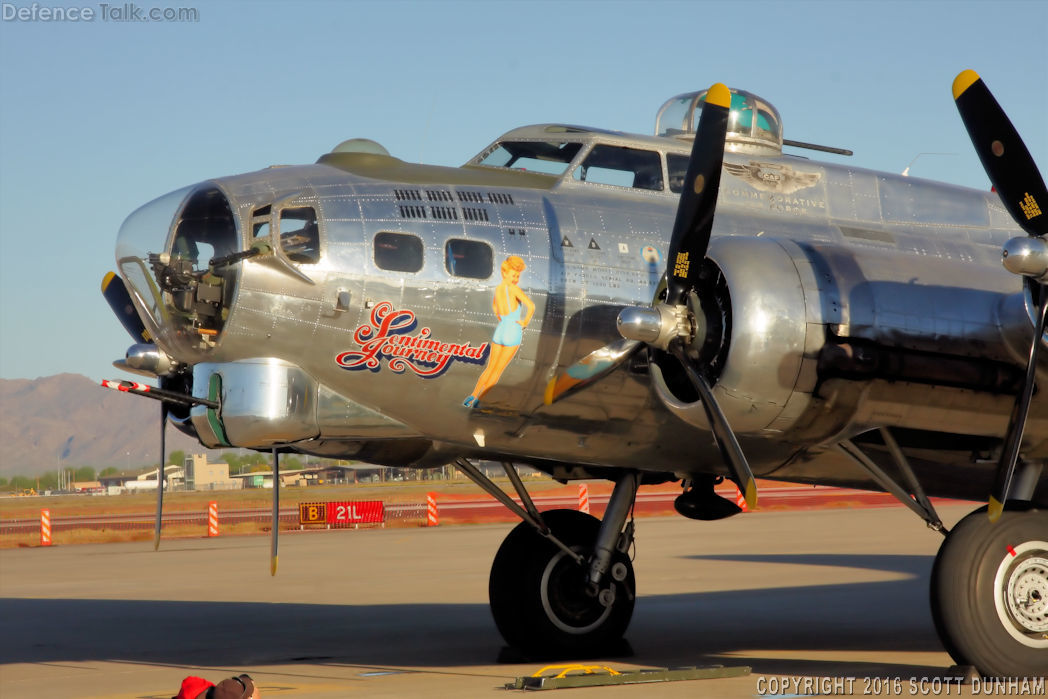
(510, 303)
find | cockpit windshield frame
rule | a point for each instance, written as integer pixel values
(547, 157)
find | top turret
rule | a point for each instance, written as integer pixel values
(754, 126)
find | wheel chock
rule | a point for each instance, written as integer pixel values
(577, 675)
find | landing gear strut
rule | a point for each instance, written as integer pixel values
(562, 582)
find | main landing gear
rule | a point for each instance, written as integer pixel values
(562, 582)
(989, 592)
(989, 586)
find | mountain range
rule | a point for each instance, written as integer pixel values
(68, 420)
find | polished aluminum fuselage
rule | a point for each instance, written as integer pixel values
(815, 255)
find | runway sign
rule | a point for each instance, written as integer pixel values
(365, 512)
(312, 513)
(362, 512)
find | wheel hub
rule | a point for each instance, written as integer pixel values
(1021, 596)
(565, 599)
(1027, 594)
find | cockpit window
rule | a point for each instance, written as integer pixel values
(398, 252)
(677, 165)
(549, 157)
(299, 232)
(624, 167)
(300, 235)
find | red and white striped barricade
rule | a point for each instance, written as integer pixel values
(584, 498)
(212, 518)
(45, 527)
(432, 513)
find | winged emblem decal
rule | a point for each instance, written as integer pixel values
(773, 177)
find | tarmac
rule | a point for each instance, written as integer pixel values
(803, 598)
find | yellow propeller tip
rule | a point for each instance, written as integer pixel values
(995, 509)
(107, 280)
(963, 81)
(751, 494)
(548, 395)
(719, 95)
(273, 566)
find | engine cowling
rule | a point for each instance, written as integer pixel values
(764, 351)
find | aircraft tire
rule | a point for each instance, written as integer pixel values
(978, 621)
(538, 594)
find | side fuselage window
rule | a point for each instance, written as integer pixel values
(623, 167)
(468, 258)
(398, 252)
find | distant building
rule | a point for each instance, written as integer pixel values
(142, 479)
(200, 475)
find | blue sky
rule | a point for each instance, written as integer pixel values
(99, 117)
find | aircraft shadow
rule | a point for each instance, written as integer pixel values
(769, 629)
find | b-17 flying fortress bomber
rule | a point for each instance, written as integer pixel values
(692, 306)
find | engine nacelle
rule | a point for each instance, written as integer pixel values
(772, 337)
(265, 402)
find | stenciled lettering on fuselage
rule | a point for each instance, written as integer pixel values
(387, 339)
(777, 183)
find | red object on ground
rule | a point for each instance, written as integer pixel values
(359, 512)
(584, 498)
(45, 527)
(193, 687)
(212, 518)
(432, 514)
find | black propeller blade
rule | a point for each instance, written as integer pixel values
(674, 325)
(722, 433)
(688, 244)
(1017, 424)
(1020, 186)
(1004, 156)
(694, 222)
(119, 300)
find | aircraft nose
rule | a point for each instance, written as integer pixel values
(168, 253)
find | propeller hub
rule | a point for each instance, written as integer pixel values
(149, 359)
(1026, 255)
(658, 325)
